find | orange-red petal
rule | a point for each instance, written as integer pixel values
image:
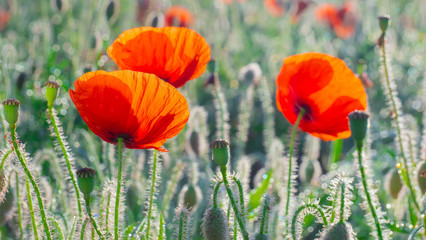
(178, 15)
(174, 54)
(274, 7)
(138, 107)
(325, 87)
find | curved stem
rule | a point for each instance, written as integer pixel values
(66, 157)
(31, 208)
(95, 226)
(234, 204)
(151, 194)
(83, 229)
(367, 195)
(300, 209)
(264, 221)
(290, 162)
(18, 206)
(3, 160)
(33, 183)
(405, 173)
(241, 193)
(117, 197)
(215, 193)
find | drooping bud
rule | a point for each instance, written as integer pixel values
(51, 92)
(11, 111)
(250, 73)
(220, 152)
(190, 197)
(215, 224)
(339, 231)
(112, 11)
(86, 182)
(393, 183)
(421, 176)
(384, 21)
(310, 171)
(358, 121)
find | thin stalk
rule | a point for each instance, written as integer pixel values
(234, 204)
(300, 209)
(3, 160)
(264, 218)
(95, 226)
(367, 194)
(398, 129)
(215, 193)
(33, 183)
(3, 127)
(151, 194)
(342, 202)
(67, 159)
(71, 233)
(290, 161)
(61, 235)
(117, 197)
(107, 213)
(31, 208)
(241, 193)
(18, 206)
(181, 225)
(83, 229)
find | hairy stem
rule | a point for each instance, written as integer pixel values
(95, 226)
(215, 193)
(18, 206)
(33, 183)
(342, 203)
(66, 157)
(117, 197)
(31, 208)
(151, 193)
(299, 210)
(241, 193)
(3, 160)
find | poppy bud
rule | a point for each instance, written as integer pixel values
(191, 196)
(358, 121)
(310, 171)
(3, 184)
(262, 236)
(20, 80)
(421, 176)
(86, 182)
(212, 66)
(250, 73)
(51, 92)
(11, 111)
(393, 184)
(112, 11)
(384, 21)
(220, 152)
(339, 231)
(215, 224)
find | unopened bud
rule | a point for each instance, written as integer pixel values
(220, 152)
(11, 111)
(358, 121)
(339, 231)
(393, 184)
(215, 224)
(384, 21)
(191, 196)
(86, 182)
(421, 176)
(51, 92)
(262, 236)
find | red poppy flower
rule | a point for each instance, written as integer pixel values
(302, 5)
(325, 88)
(274, 7)
(227, 2)
(174, 54)
(341, 20)
(4, 18)
(178, 17)
(138, 107)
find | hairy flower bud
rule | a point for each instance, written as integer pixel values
(51, 92)
(86, 181)
(421, 176)
(393, 183)
(190, 196)
(384, 21)
(310, 171)
(358, 121)
(11, 111)
(220, 152)
(339, 231)
(215, 224)
(262, 236)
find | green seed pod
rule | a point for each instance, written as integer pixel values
(421, 176)
(358, 121)
(339, 231)
(86, 181)
(190, 196)
(220, 152)
(215, 224)
(384, 21)
(11, 111)
(4, 183)
(262, 236)
(393, 183)
(51, 92)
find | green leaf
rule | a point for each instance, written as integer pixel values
(255, 196)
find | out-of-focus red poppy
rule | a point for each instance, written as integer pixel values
(174, 54)
(341, 20)
(302, 5)
(227, 2)
(4, 19)
(178, 16)
(274, 7)
(138, 107)
(325, 88)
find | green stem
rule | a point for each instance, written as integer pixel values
(95, 226)
(31, 208)
(107, 213)
(83, 229)
(290, 162)
(151, 194)
(18, 205)
(117, 197)
(342, 202)
(33, 183)
(234, 204)
(300, 209)
(215, 193)
(181, 225)
(264, 218)
(58, 228)
(398, 129)
(67, 159)
(3, 127)
(241, 193)
(71, 233)
(367, 194)
(3, 160)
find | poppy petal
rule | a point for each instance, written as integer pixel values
(174, 54)
(138, 107)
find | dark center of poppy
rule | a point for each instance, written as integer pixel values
(126, 137)
(307, 115)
